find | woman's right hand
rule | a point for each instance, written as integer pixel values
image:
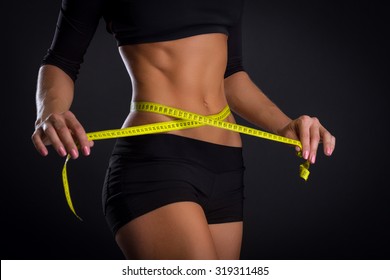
(64, 132)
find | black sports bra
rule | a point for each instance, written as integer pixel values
(142, 21)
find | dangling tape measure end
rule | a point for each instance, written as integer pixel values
(304, 170)
(304, 167)
(66, 188)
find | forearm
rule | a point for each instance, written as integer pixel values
(250, 103)
(55, 124)
(54, 92)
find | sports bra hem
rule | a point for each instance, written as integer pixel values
(170, 36)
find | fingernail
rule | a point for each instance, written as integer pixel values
(305, 154)
(61, 151)
(329, 151)
(43, 152)
(74, 153)
(313, 159)
(86, 150)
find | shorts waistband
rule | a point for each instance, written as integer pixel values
(215, 157)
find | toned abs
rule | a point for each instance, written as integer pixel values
(186, 73)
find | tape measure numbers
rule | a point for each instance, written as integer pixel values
(184, 120)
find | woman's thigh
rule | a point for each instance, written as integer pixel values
(227, 239)
(175, 231)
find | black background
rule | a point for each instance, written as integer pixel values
(322, 58)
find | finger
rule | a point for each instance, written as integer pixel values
(79, 135)
(304, 135)
(38, 142)
(52, 136)
(314, 139)
(61, 137)
(329, 142)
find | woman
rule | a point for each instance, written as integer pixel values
(175, 195)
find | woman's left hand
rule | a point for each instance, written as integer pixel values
(310, 132)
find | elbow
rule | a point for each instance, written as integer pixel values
(51, 77)
(69, 66)
(236, 77)
(236, 82)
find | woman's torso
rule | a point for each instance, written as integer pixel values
(186, 73)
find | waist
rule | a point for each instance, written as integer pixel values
(139, 116)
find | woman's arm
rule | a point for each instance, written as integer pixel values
(55, 124)
(250, 103)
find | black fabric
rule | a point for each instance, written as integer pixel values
(135, 21)
(149, 171)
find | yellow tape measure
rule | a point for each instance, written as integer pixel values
(184, 120)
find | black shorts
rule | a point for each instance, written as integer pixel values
(149, 171)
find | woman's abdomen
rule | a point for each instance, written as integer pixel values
(187, 74)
